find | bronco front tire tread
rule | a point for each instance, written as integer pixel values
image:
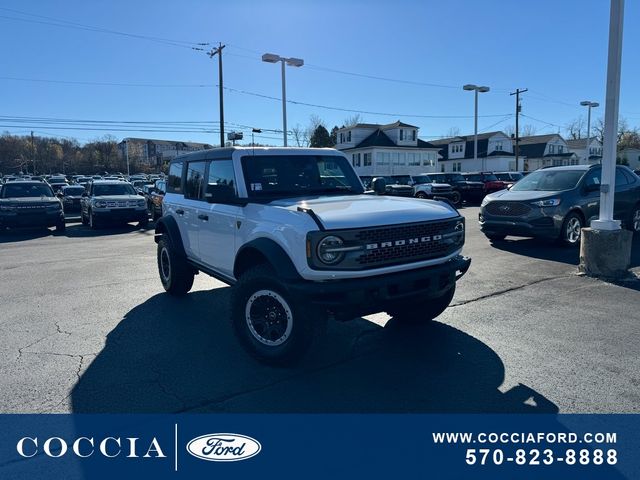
(305, 323)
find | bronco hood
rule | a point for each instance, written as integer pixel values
(359, 211)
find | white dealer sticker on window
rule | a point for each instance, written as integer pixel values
(256, 186)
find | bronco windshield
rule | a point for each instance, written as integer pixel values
(549, 181)
(15, 190)
(284, 176)
(73, 191)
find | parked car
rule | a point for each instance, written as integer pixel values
(70, 195)
(155, 197)
(30, 204)
(426, 187)
(396, 186)
(555, 203)
(489, 179)
(509, 177)
(112, 201)
(470, 191)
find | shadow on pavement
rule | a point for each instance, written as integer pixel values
(547, 250)
(81, 231)
(178, 354)
(541, 249)
(76, 230)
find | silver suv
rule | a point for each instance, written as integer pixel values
(294, 232)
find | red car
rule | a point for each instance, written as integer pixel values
(491, 182)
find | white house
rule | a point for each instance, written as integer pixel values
(632, 156)
(546, 151)
(577, 146)
(392, 149)
(495, 149)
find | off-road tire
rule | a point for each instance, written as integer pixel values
(61, 226)
(289, 326)
(423, 311)
(176, 275)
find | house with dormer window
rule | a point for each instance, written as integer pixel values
(392, 149)
(550, 150)
(578, 147)
(495, 152)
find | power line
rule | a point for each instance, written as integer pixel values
(79, 26)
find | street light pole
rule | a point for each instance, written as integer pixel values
(476, 90)
(126, 146)
(589, 106)
(292, 62)
(608, 184)
(284, 103)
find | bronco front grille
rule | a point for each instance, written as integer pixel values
(507, 209)
(415, 242)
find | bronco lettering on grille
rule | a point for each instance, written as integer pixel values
(399, 243)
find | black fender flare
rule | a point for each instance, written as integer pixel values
(270, 251)
(168, 226)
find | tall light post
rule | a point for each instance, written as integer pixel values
(477, 89)
(589, 106)
(292, 62)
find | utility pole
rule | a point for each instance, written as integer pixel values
(33, 153)
(212, 53)
(518, 109)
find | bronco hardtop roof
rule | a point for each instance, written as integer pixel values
(216, 153)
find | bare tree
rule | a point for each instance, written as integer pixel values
(528, 130)
(574, 128)
(453, 132)
(300, 135)
(353, 120)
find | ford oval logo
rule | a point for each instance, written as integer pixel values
(224, 447)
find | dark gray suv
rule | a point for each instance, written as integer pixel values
(555, 203)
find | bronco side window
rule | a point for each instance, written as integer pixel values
(174, 182)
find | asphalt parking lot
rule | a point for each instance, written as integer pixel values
(86, 327)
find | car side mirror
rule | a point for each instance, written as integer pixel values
(141, 194)
(379, 185)
(217, 193)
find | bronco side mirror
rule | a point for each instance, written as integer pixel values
(379, 185)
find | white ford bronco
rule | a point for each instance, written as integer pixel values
(294, 233)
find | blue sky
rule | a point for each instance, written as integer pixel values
(556, 49)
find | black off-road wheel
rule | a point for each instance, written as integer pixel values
(61, 226)
(83, 218)
(421, 195)
(423, 311)
(269, 322)
(456, 198)
(176, 274)
(144, 223)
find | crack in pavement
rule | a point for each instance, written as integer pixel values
(508, 290)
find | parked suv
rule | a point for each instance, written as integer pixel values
(29, 204)
(112, 201)
(470, 191)
(295, 234)
(426, 187)
(556, 203)
(70, 195)
(490, 181)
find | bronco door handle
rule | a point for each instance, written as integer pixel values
(180, 211)
(204, 217)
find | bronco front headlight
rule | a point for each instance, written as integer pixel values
(100, 204)
(485, 201)
(330, 250)
(141, 203)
